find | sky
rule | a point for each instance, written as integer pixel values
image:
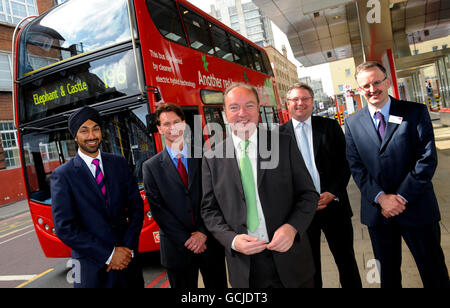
(315, 72)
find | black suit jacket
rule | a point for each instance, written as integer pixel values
(175, 208)
(88, 224)
(331, 162)
(403, 163)
(286, 193)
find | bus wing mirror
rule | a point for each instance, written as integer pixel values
(151, 123)
(156, 92)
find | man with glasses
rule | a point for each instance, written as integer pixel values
(322, 145)
(392, 157)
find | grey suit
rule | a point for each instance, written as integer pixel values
(287, 195)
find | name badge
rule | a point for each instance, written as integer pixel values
(395, 119)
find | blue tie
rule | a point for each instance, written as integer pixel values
(305, 150)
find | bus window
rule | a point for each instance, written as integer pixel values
(165, 16)
(58, 35)
(211, 97)
(125, 134)
(264, 121)
(197, 31)
(44, 152)
(214, 116)
(221, 43)
(240, 52)
(259, 65)
(267, 65)
(273, 115)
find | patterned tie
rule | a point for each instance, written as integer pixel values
(248, 184)
(99, 176)
(305, 150)
(182, 170)
(381, 125)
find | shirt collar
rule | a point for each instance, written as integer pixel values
(236, 140)
(295, 122)
(384, 110)
(87, 159)
(173, 154)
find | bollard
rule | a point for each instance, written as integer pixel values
(438, 103)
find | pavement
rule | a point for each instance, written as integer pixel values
(362, 244)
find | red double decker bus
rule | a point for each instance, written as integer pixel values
(123, 58)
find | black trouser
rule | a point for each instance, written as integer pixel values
(338, 231)
(211, 266)
(424, 242)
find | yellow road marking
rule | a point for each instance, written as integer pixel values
(34, 278)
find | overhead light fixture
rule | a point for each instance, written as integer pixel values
(316, 14)
(336, 17)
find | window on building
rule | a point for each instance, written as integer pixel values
(348, 72)
(435, 48)
(9, 143)
(341, 88)
(5, 72)
(13, 11)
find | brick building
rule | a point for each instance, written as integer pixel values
(11, 12)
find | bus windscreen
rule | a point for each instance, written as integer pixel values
(72, 29)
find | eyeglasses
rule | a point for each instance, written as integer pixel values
(374, 84)
(300, 99)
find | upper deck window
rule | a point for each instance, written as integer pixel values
(74, 28)
(164, 14)
(197, 29)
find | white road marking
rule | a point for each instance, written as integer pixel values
(15, 231)
(16, 277)
(13, 238)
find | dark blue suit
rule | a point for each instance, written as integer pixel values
(176, 210)
(402, 163)
(91, 225)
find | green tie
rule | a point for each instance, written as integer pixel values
(249, 187)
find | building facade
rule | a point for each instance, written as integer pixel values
(284, 70)
(11, 12)
(246, 19)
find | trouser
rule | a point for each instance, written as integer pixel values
(424, 244)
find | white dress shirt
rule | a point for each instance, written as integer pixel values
(252, 150)
(308, 131)
(88, 160)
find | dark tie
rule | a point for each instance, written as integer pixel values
(182, 170)
(99, 176)
(381, 125)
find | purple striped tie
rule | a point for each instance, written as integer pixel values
(99, 176)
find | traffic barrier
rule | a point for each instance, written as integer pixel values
(438, 103)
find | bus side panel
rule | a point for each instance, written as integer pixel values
(50, 243)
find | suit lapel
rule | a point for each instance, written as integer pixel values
(231, 165)
(316, 135)
(367, 123)
(391, 127)
(167, 164)
(84, 172)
